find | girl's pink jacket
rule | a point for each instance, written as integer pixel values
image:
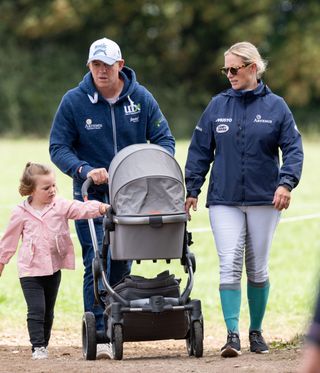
(46, 243)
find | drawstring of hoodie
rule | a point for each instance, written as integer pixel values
(131, 101)
(95, 97)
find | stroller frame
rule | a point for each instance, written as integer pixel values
(153, 313)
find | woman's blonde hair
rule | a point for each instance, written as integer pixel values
(28, 178)
(249, 54)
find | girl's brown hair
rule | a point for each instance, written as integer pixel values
(28, 178)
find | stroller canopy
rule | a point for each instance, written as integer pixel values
(144, 179)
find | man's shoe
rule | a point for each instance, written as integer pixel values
(257, 343)
(232, 348)
(39, 353)
(104, 351)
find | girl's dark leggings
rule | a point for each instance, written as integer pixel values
(40, 293)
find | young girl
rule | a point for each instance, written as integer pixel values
(42, 222)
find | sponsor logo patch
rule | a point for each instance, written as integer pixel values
(223, 120)
(296, 128)
(222, 128)
(134, 119)
(92, 126)
(259, 119)
(132, 108)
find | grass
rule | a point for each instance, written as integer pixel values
(294, 261)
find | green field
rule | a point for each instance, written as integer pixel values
(294, 262)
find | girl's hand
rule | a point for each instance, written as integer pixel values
(103, 208)
(1, 268)
(190, 201)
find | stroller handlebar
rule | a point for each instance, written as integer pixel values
(85, 186)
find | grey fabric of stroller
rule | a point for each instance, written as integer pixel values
(146, 180)
(150, 196)
(147, 197)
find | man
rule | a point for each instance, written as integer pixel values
(108, 111)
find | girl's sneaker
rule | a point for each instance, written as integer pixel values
(39, 353)
(104, 351)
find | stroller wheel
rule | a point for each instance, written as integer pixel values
(189, 345)
(117, 344)
(89, 343)
(195, 339)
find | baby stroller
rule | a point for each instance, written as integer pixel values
(147, 221)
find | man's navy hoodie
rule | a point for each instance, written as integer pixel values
(87, 131)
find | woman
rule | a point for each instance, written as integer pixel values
(240, 132)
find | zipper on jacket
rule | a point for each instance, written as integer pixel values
(114, 129)
(243, 147)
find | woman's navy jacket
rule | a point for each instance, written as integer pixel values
(240, 133)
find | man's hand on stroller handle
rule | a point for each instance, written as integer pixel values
(99, 175)
(190, 201)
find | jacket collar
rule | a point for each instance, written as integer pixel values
(260, 90)
(25, 205)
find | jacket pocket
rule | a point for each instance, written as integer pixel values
(27, 253)
(64, 244)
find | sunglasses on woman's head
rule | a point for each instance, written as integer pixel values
(233, 70)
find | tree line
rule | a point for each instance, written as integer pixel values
(175, 46)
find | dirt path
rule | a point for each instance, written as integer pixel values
(142, 357)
